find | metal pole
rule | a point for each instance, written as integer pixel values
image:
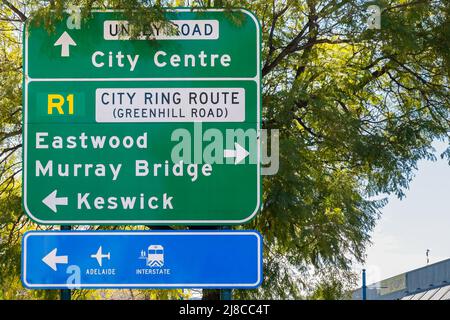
(364, 287)
(65, 294)
(226, 294)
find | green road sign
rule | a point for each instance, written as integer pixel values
(158, 128)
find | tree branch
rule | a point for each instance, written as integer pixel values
(6, 135)
(300, 121)
(407, 4)
(275, 16)
(21, 15)
(293, 45)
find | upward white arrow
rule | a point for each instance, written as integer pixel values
(52, 201)
(65, 40)
(238, 154)
(52, 259)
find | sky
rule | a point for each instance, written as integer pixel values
(408, 227)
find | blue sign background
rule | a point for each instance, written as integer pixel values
(195, 259)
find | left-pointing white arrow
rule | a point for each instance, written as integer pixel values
(52, 201)
(65, 40)
(52, 259)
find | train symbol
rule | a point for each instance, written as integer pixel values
(154, 256)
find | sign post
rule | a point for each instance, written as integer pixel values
(121, 130)
(65, 294)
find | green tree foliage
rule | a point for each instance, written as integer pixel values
(356, 109)
(333, 286)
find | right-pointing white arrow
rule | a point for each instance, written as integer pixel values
(52, 201)
(52, 259)
(238, 154)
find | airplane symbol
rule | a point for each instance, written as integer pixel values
(99, 256)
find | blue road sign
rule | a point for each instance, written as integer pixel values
(134, 259)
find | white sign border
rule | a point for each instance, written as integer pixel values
(28, 234)
(257, 79)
